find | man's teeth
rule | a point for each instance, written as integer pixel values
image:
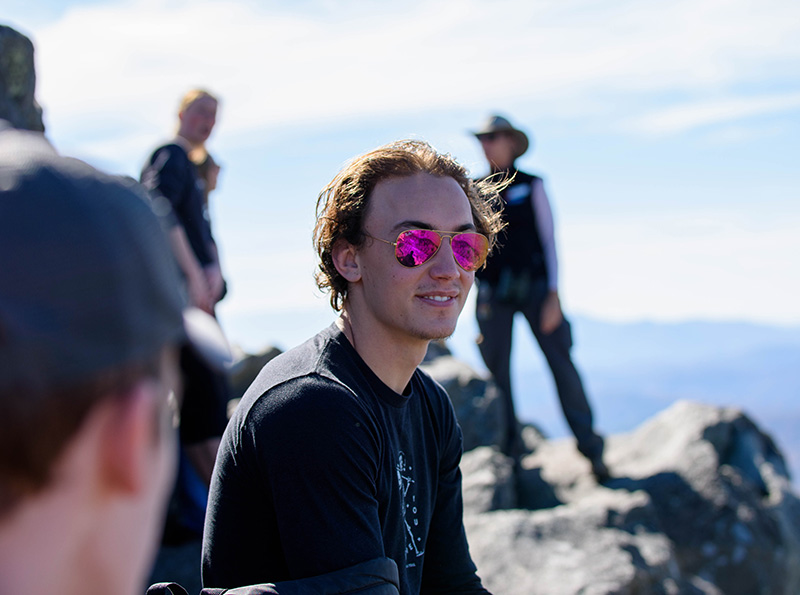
(439, 298)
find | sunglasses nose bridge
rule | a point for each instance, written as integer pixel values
(449, 235)
(452, 256)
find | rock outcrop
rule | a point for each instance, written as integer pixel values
(18, 81)
(700, 502)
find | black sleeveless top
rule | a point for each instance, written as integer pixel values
(519, 247)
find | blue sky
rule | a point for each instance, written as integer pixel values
(668, 132)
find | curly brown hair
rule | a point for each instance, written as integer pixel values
(343, 202)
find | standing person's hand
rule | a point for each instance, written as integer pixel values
(199, 292)
(551, 316)
(215, 281)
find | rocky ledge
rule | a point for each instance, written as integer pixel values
(700, 502)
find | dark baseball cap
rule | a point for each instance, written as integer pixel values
(87, 278)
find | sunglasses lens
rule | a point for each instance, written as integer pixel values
(416, 246)
(470, 250)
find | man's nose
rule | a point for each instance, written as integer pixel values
(444, 261)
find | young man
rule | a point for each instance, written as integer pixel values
(91, 317)
(522, 276)
(177, 192)
(342, 450)
(172, 177)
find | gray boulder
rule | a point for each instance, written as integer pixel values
(18, 82)
(700, 502)
(597, 545)
(477, 401)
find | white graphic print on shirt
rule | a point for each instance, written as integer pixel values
(414, 547)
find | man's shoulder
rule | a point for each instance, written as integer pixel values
(313, 385)
(432, 392)
(310, 365)
(168, 152)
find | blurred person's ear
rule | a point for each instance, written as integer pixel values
(131, 438)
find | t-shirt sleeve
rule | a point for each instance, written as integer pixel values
(164, 178)
(448, 565)
(312, 452)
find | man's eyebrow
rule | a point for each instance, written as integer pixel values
(411, 224)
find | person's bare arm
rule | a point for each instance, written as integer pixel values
(199, 292)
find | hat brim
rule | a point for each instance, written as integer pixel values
(521, 142)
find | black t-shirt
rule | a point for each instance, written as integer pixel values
(170, 174)
(323, 466)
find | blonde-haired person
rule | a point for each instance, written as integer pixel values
(172, 179)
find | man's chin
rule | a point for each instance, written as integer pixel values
(437, 334)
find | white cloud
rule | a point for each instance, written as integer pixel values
(110, 70)
(681, 118)
(110, 76)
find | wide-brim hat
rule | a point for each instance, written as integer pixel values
(495, 123)
(88, 282)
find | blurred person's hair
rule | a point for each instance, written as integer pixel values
(39, 423)
(342, 204)
(204, 162)
(193, 95)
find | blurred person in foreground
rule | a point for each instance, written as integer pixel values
(522, 276)
(91, 318)
(177, 193)
(343, 453)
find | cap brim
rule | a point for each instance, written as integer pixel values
(206, 337)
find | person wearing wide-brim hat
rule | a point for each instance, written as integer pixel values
(497, 126)
(522, 276)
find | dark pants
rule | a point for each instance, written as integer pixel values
(495, 320)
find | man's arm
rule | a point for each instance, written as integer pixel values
(164, 178)
(213, 274)
(551, 315)
(294, 491)
(196, 282)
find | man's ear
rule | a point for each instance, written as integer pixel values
(130, 438)
(345, 259)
